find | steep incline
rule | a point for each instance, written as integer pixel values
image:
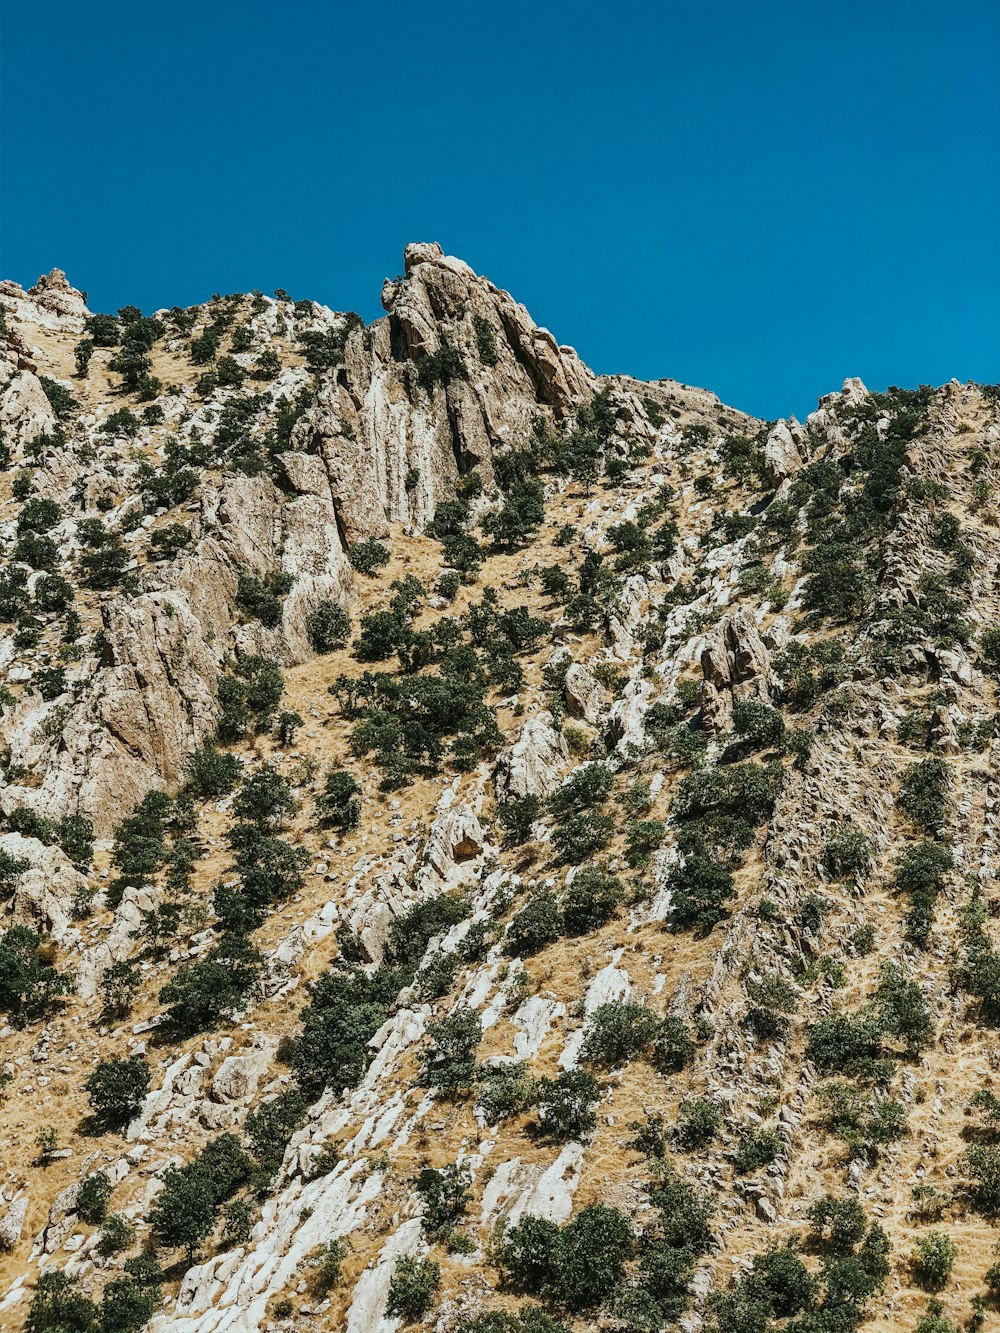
(544, 833)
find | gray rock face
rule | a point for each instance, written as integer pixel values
(531, 766)
(737, 666)
(381, 442)
(149, 703)
(12, 1222)
(43, 894)
(386, 445)
(785, 450)
(585, 696)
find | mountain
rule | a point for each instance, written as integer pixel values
(486, 846)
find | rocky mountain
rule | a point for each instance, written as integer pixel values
(487, 847)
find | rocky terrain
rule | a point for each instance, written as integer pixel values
(487, 847)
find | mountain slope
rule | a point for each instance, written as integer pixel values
(518, 794)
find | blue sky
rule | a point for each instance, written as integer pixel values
(760, 198)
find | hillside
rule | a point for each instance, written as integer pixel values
(487, 847)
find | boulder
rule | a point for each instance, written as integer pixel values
(44, 892)
(736, 666)
(531, 766)
(585, 696)
(12, 1222)
(786, 449)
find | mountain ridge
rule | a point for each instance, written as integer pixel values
(465, 790)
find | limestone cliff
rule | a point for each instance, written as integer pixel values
(487, 847)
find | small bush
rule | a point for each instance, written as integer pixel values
(339, 804)
(538, 924)
(117, 1234)
(674, 1046)
(92, 1197)
(368, 556)
(449, 1063)
(117, 1089)
(210, 773)
(618, 1032)
(566, 1104)
(848, 852)
(328, 627)
(413, 1287)
(933, 1259)
(700, 889)
(592, 900)
(757, 1151)
(698, 1123)
(923, 793)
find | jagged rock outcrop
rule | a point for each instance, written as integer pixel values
(736, 666)
(44, 892)
(585, 696)
(390, 446)
(532, 765)
(142, 711)
(12, 1221)
(785, 450)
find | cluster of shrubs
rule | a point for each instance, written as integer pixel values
(589, 1263)
(778, 1287)
(437, 710)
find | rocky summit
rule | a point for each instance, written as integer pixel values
(487, 847)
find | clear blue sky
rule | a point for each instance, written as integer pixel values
(760, 198)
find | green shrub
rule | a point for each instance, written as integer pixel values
(579, 1265)
(504, 1091)
(210, 773)
(249, 696)
(982, 1163)
(60, 399)
(923, 793)
(486, 341)
(592, 900)
(773, 998)
(588, 786)
(58, 1307)
(674, 1046)
(413, 1287)
(642, 838)
(566, 1104)
(617, 1032)
(847, 852)
(538, 924)
(127, 1305)
(92, 1197)
(757, 725)
(29, 984)
(581, 836)
(117, 1089)
(184, 1213)
(328, 626)
(368, 556)
(116, 1234)
(517, 817)
(933, 1259)
(260, 599)
(449, 1061)
(446, 1196)
(698, 1123)
(264, 799)
(338, 804)
(837, 1225)
(757, 1151)
(863, 1119)
(699, 888)
(202, 993)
